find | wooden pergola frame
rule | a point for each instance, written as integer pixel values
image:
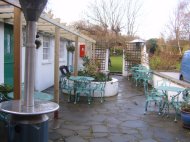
(10, 9)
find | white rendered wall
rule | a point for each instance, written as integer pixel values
(124, 69)
(106, 60)
(44, 77)
(1, 53)
(45, 70)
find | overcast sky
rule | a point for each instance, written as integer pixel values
(154, 17)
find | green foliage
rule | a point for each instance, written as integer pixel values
(152, 45)
(185, 106)
(91, 68)
(155, 62)
(165, 60)
(71, 48)
(5, 89)
(116, 62)
(118, 51)
(178, 66)
(86, 60)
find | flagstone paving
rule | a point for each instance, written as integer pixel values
(118, 119)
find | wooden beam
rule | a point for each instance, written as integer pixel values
(76, 57)
(56, 65)
(6, 15)
(52, 21)
(13, 2)
(46, 18)
(56, 69)
(93, 51)
(3, 3)
(17, 53)
(7, 10)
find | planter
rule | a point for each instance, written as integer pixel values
(111, 88)
(185, 118)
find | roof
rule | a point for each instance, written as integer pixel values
(46, 22)
(137, 41)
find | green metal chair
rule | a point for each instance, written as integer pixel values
(139, 76)
(176, 102)
(83, 86)
(66, 85)
(100, 88)
(152, 96)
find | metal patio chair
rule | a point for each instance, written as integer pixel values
(154, 96)
(83, 86)
(176, 102)
(66, 85)
(100, 88)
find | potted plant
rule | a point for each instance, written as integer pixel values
(70, 48)
(4, 90)
(185, 114)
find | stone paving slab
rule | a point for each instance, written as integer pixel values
(119, 119)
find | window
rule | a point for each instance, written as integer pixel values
(62, 48)
(46, 48)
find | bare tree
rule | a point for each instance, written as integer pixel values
(133, 10)
(107, 13)
(179, 25)
(115, 14)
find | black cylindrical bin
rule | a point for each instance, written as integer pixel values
(28, 128)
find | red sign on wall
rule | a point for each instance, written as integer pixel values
(82, 50)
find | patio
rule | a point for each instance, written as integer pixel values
(118, 119)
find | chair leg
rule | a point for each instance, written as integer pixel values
(75, 98)
(146, 105)
(160, 108)
(69, 97)
(89, 98)
(102, 97)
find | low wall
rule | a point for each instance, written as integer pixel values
(111, 88)
(173, 82)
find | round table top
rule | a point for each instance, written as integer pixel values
(75, 78)
(170, 88)
(16, 107)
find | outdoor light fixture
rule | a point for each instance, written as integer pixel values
(32, 9)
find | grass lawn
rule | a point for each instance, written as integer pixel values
(116, 62)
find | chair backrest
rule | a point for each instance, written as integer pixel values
(64, 82)
(186, 95)
(83, 83)
(101, 86)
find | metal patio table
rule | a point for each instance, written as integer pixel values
(166, 101)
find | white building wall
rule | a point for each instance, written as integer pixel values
(106, 60)
(1, 52)
(44, 77)
(45, 70)
(124, 69)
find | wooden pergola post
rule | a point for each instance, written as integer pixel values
(17, 53)
(56, 68)
(76, 56)
(93, 51)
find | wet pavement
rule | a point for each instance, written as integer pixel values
(119, 119)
